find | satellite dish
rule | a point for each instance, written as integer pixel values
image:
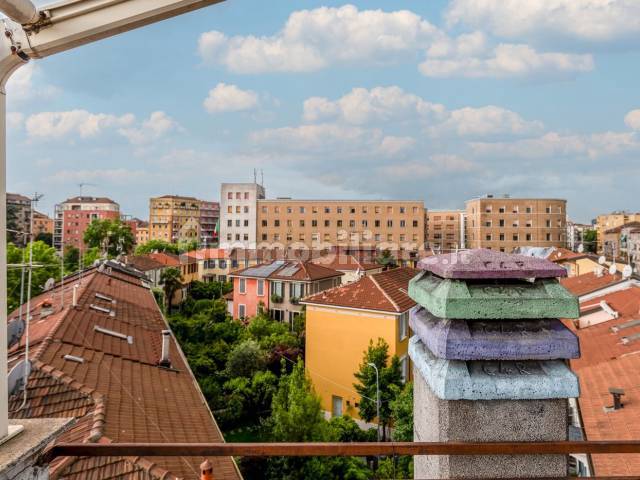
(49, 284)
(16, 376)
(580, 248)
(613, 269)
(101, 267)
(15, 329)
(627, 271)
(602, 260)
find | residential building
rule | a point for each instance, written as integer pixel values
(209, 217)
(342, 321)
(151, 268)
(505, 223)
(174, 218)
(575, 235)
(140, 231)
(351, 225)
(611, 220)
(238, 214)
(575, 263)
(100, 361)
(42, 223)
(278, 287)
(18, 217)
(609, 334)
(74, 215)
(446, 230)
(619, 242)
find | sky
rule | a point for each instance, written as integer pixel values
(440, 101)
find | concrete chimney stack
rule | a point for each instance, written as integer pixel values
(165, 361)
(74, 298)
(206, 470)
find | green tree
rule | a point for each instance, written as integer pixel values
(386, 259)
(48, 267)
(245, 359)
(171, 281)
(390, 382)
(45, 237)
(209, 290)
(111, 236)
(157, 246)
(589, 240)
(12, 226)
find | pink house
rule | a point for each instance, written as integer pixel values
(278, 286)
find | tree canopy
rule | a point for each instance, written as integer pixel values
(111, 236)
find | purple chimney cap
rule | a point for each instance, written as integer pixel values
(482, 263)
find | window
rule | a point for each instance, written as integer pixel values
(487, 223)
(403, 223)
(246, 195)
(501, 209)
(276, 288)
(238, 196)
(338, 209)
(336, 406)
(302, 223)
(242, 285)
(327, 223)
(415, 224)
(529, 210)
(327, 210)
(260, 288)
(339, 223)
(402, 209)
(289, 210)
(548, 237)
(301, 209)
(289, 223)
(501, 222)
(352, 224)
(229, 209)
(502, 237)
(352, 210)
(548, 209)
(377, 223)
(404, 368)
(264, 209)
(264, 223)
(516, 223)
(389, 223)
(229, 223)
(314, 209)
(515, 209)
(229, 195)
(365, 224)
(403, 325)
(528, 237)
(246, 223)
(488, 237)
(296, 290)
(242, 311)
(516, 237)
(277, 315)
(314, 223)
(276, 223)
(376, 209)
(548, 223)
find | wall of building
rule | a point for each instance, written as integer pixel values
(611, 220)
(250, 299)
(336, 340)
(174, 218)
(445, 230)
(77, 215)
(238, 214)
(526, 222)
(320, 224)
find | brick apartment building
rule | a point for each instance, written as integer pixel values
(209, 216)
(505, 223)
(248, 219)
(446, 230)
(75, 214)
(42, 223)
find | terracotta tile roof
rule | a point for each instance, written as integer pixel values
(118, 393)
(89, 200)
(288, 270)
(385, 291)
(619, 228)
(165, 258)
(208, 253)
(590, 282)
(345, 262)
(606, 362)
(560, 255)
(144, 263)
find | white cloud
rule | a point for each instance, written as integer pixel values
(470, 56)
(314, 39)
(632, 119)
(554, 145)
(117, 176)
(152, 129)
(57, 125)
(485, 121)
(452, 163)
(578, 20)
(230, 98)
(23, 85)
(361, 106)
(15, 120)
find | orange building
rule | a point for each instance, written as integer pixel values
(42, 223)
(445, 230)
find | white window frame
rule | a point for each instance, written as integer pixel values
(242, 308)
(260, 288)
(242, 286)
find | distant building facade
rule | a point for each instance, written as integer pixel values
(42, 223)
(505, 223)
(174, 218)
(575, 235)
(238, 214)
(209, 216)
(445, 230)
(612, 220)
(74, 215)
(18, 216)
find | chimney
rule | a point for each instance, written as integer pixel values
(74, 300)
(206, 470)
(164, 358)
(617, 394)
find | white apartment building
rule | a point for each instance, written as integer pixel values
(239, 213)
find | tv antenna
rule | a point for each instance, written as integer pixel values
(81, 186)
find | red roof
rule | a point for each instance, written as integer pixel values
(607, 362)
(562, 255)
(117, 393)
(385, 291)
(208, 254)
(590, 282)
(288, 270)
(344, 262)
(165, 258)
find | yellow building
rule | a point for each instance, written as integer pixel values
(340, 324)
(174, 219)
(445, 230)
(612, 220)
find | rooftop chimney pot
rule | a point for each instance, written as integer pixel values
(165, 361)
(206, 470)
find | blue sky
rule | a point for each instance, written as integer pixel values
(439, 100)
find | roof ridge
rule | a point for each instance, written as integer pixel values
(395, 305)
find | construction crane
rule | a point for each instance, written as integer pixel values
(33, 33)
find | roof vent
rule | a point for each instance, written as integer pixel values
(165, 361)
(111, 333)
(98, 308)
(631, 338)
(623, 326)
(617, 394)
(605, 306)
(73, 358)
(105, 297)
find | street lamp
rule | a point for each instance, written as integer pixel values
(373, 365)
(31, 33)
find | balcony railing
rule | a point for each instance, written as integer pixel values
(358, 449)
